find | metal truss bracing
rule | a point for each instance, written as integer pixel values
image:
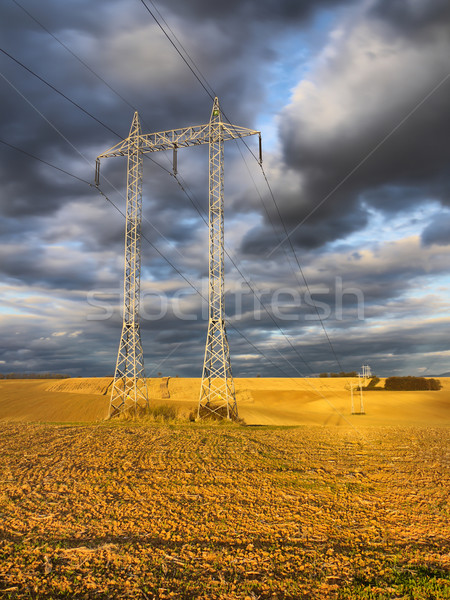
(217, 394)
(130, 385)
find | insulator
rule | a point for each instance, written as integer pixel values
(97, 172)
(175, 160)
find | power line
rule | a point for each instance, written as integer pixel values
(300, 269)
(86, 112)
(178, 51)
(197, 72)
(92, 185)
(82, 62)
(248, 282)
(261, 166)
(115, 133)
(169, 262)
(193, 63)
(73, 54)
(229, 323)
(45, 162)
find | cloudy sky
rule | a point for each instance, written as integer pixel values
(352, 99)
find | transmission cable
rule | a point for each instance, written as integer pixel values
(248, 281)
(229, 323)
(74, 55)
(300, 268)
(86, 112)
(81, 61)
(115, 133)
(178, 51)
(191, 60)
(44, 162)
(265, 177)
(252, 153)
(58, 92)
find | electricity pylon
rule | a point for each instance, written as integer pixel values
(217, 389)
(217, 393)
(130, 385)
(363, 377)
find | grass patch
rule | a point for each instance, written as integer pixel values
(159, 413)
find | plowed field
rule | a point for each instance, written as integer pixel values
(208, 512)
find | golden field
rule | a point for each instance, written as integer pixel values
(261, 401)
(336, 506)
(127, 510)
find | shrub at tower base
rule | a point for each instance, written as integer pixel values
(411, 384)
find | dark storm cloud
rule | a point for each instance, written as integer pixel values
(247, 12)
(411, 17)
(325, 224)
(438, 231)
(368, 126)
(62, 242)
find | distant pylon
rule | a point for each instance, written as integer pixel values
(130, 385)
(363, 377)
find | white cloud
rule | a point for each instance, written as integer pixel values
(75, 334)
(363, 74)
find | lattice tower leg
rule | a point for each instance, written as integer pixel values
(217, 393)
(361, 403)
(130, 385)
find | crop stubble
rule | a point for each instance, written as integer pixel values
(153, 511)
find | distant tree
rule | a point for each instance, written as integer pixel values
(434, 384)
(340, 374)
(323, 375)
(410, 383)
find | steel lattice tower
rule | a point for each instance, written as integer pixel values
(217, 393)
(130, 384)
(217, 389)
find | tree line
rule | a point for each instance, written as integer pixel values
(34, 376)
(411, 384)
(341, 374)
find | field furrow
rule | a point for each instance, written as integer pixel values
(153, 511)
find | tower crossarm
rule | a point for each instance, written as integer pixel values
(191, 136)
(217, 393)
(180, 138)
